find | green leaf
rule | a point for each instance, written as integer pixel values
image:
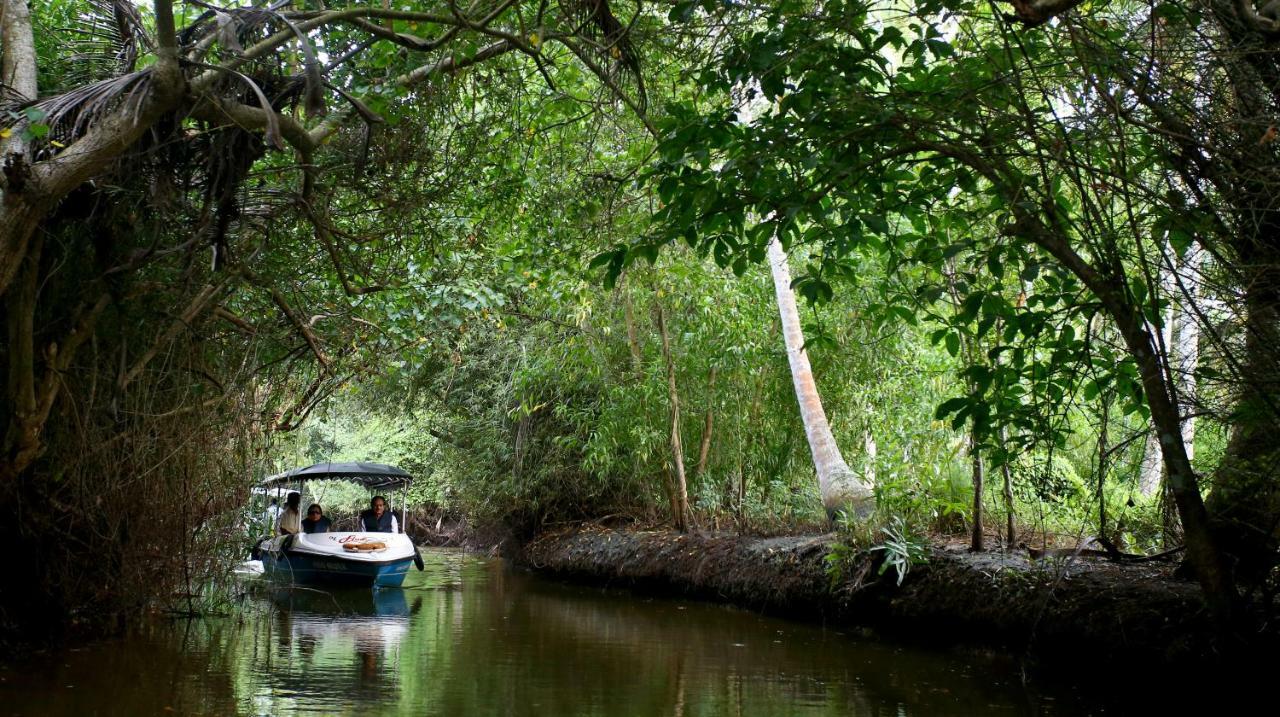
(950, 406)
(953, 344)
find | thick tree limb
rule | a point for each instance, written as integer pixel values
(227, 315)
(1265, 24)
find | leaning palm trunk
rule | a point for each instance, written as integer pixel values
(840, 487)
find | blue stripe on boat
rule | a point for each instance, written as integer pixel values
(305, 569)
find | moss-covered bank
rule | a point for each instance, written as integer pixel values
(1077, 611)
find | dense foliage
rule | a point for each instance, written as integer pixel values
(518, 249)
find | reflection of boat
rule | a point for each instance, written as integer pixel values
(351, 558)
(334, 604)
(381, 558)
(372, 619)
(340, 645)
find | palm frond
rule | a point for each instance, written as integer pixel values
(610, 39)
(70, 114)
(106, 39)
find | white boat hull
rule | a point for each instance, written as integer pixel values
(351, 558)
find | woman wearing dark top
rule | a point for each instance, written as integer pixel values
(315, 522)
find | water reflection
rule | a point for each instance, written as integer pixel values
(472, 637)
(332, 648)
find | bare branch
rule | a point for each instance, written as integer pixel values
(185, 320)
(278, 298)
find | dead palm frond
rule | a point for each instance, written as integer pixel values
(70, 114)
(106, 39)
(610, 40)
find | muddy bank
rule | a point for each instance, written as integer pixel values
(1083, 612)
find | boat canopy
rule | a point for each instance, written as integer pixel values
(370, 475)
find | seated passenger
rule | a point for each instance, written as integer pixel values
(290, 520)
(377, 519)
(315, 522)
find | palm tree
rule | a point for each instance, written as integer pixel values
(840, 487)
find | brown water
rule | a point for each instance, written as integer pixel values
(472, 636)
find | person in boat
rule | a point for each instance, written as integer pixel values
(315, 522)
(377, 519)
(271, 514)
(290, 520)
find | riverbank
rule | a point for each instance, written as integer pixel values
(1045, 613)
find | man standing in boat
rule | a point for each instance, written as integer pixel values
(377, 519)
(290, 520)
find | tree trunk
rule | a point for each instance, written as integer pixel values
(18, 73)
(633, 339)
(704, 450)
(22, 443)
(1245, 501)
(869, 451)
(1152, 469)
(1186, 344)
(840, 487)
(975, 455)
(679, 488)
(1006, 473)
(1181, 336)
(1010, 519)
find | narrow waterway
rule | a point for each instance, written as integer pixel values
(473, 636)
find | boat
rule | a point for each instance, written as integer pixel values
(353, 558)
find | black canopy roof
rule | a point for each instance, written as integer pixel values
(370, 475)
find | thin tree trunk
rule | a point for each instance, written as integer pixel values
(840, 487)
(1186, 345)
(1181, 335)
(1202, 547)
(704, 450)
(21, 443)
(1152, 470)
(1010, 519)
(976, 538)
(633, 339)
(680, 491)
(869, 451)
(17, 73)
(1152, 467)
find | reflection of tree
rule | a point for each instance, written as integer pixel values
(518, 646)
(284, 633)
(307, 647)
(368, 665)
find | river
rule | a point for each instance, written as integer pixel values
(473, 636)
